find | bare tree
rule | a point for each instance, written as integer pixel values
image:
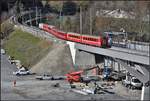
(6, 29)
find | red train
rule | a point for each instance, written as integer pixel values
(99, 41)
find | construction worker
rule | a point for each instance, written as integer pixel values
(14, 82)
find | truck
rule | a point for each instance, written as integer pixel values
(132, 82)
(118, 76)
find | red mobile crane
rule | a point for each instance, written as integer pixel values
(76, 76)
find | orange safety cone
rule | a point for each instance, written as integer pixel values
(14, 82)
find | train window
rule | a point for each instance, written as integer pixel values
(61, 33)
(45, 26)
(85, 38)
(74, 36)
(90, 39)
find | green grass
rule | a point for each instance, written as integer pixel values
(26, 47)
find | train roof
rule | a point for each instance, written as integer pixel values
(61, 31)
(51, 26)
(90, 36)
(73, 33)
(83, 34)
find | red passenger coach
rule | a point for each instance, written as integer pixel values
(62, 35)
(52, 31)
(91, 40)
(74, 37)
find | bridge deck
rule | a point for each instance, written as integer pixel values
(120, 53)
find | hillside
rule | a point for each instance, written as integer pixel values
(26, 47)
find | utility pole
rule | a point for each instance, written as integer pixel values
(36, 16)
(60, 16)
(80, 19)
(91, 32)
(40, 16)
(30, 18)
(8, 6)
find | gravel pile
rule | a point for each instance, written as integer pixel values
(57, 62)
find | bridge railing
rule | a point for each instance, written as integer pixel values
(139, 46)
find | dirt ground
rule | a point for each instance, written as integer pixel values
(28, 88)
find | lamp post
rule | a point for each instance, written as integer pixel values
(80, 19)
(60, 16)
(125, 35)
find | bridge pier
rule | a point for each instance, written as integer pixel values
(145, 93)
(81, 58)
(84, 58)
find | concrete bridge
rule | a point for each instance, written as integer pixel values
(86, 55)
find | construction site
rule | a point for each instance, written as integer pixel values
(44, 59)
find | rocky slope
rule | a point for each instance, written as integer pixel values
(57, 62)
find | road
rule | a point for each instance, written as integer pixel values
(28, 88)
(7, 80)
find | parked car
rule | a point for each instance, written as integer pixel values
(3, 51)
(59, 77)
(132, 82)
(90, 78)
(11, 60)
(50, 77)
(118, 76)
(44, 77)
(22, 72)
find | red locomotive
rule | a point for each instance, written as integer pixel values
(99, 41)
